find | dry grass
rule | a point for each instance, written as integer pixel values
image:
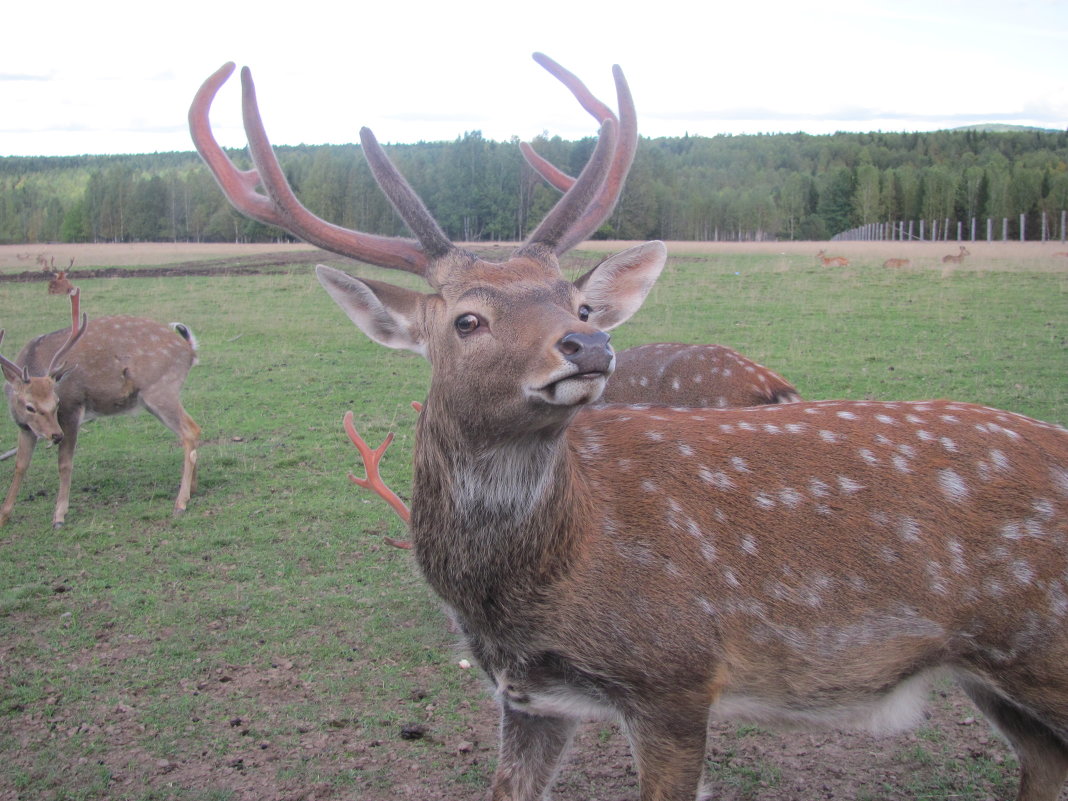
(1039, 256)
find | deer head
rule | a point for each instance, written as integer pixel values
(32, 399)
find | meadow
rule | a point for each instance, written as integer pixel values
(268, 644)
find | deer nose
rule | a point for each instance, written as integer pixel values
(57, 437)
(590, 353)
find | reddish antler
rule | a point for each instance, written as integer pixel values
(374, 481)
(584, 206)
(280, 206)
(622, 157)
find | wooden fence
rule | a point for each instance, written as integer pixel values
(955, 230)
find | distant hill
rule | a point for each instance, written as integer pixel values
(1001, 127)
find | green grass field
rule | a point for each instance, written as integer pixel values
(267, 643)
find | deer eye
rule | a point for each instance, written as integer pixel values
(30, 408)
(467, 323)
(584, 312)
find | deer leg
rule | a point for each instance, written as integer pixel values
(170, 412)
(669, 749)
(66, 467)
(1042, 753)
(27, 442)
(190, 435)
(531, 749)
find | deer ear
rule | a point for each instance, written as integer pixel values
(386, 313)
(616, 288)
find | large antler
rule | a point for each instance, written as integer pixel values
(280, 206)
(622, 158)
(586, 203)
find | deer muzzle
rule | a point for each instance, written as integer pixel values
(588, 352)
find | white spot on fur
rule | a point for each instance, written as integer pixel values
(818, 489)
(829, 436)
(908, 529)
(739, 464)
(790, 497)
(848, 485)
(952, 486)
(868, 456)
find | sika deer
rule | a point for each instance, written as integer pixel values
(59, 284)
(832, 261)
(814, 563)
(120, 364)
(956, 258)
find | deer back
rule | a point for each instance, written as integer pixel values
(788, 543)
(117, 358)
(694, 375)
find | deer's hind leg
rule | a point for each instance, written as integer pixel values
(168, 410)
(532, 747)
(1041, 751)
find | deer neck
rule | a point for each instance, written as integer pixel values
(493, 520)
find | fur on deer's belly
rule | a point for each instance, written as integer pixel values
(552, 698)
(898, 709)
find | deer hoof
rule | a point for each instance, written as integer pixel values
(57, 524)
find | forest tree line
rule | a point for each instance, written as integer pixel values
(774, 186)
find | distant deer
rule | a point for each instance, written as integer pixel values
(814, 563)
(59, 285)
(832, 261)
(956, 258)
(894, 263)
(120, 364)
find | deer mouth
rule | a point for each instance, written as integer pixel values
(574, 389)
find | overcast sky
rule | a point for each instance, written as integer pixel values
(117, 77)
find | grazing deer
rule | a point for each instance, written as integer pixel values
(59, 285)
(814, 563)
(956, 258)
(120, 364)
(832, 261)
(694, 375)
(896, 263)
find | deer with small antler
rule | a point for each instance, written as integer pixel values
(811, 563)
(956, 258)
(832, 261)
(120, 364)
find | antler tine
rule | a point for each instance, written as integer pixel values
(622, 158)
(559, 226)
(374, 482)
(280, 206)
(239, 186)
(403, 198)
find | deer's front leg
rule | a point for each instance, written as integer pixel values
(531, 750)
(66, 467)
(669, 747)
(27, 442)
